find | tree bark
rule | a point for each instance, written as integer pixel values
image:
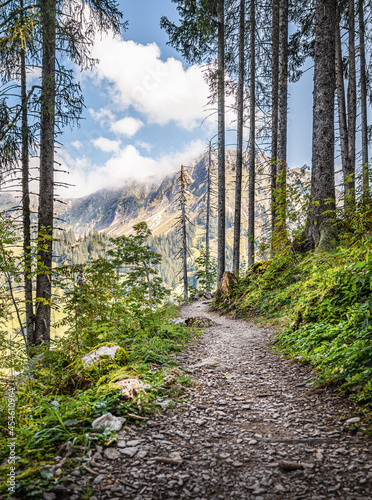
(341, 101)
(252, 136)
(351, 107)
(282, 117)
(208, 214)
(148, 283)
(320, 230)
(274, 109)
(221, 142)
(363, 100)
(26, 212)
(239, 149)
(184, 234)
(46, 185)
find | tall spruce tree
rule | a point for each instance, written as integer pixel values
(363, 100)
(239, 147)
(252, 133)
(75, 35)
(320, 230)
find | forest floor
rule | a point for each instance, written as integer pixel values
(250, 418)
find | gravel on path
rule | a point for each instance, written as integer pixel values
(251, 428)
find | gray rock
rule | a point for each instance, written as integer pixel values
(129, 452)
(111, 453)
(353, 420)
(209, 363)
(108, 421)
(177, 321)
(94, 356)
(133, 443)
(49, 496)
(98, 478)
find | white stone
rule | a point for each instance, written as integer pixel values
(353, 420)
(108, 421)
(94, 356)
(177, 321)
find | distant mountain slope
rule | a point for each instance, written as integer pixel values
(114, 212)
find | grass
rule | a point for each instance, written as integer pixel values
(58, 397)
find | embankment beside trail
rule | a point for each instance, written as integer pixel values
(322, 304)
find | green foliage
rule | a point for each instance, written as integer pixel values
(324, 301)
(134, 253)
(59, 396)
(206, 270)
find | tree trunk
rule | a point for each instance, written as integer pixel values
(208, 208)
(341, 102)
(351, 107)
(274, 109)
(252, 136)
(363, 101)
(221, 142)
(46, 185)
(148, 283)
(184, 233)
(26, 212)
(320, 229)
(239, 149)
(282, 117)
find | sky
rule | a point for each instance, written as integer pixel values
(146, 108)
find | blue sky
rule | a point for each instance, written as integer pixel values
(145, 107)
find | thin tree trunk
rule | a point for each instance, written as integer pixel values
(363, 101)
(46, 186)
(320, 229)
(26, 212)
(221, 142)
(148, 284)
(184, 233)
(208, 208)
(239, 151)
(274, 109)
(252, 137)
(351, 105)
(282, 116)
(341, 101)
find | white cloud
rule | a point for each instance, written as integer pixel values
(128, 163)
(106, 145)
(164, 91)
(128, 126)
(144, 145)
(34, 75)
(103, 115)
(77, 144)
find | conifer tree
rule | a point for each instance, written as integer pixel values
(252, 135)
(320, 231)
(239, 147)
(363, 99)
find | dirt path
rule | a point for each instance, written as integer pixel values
(247, 415)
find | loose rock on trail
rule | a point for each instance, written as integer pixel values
(252, 428)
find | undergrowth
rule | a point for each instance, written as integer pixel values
(323, 304)
(59, 396)
(58, 393)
